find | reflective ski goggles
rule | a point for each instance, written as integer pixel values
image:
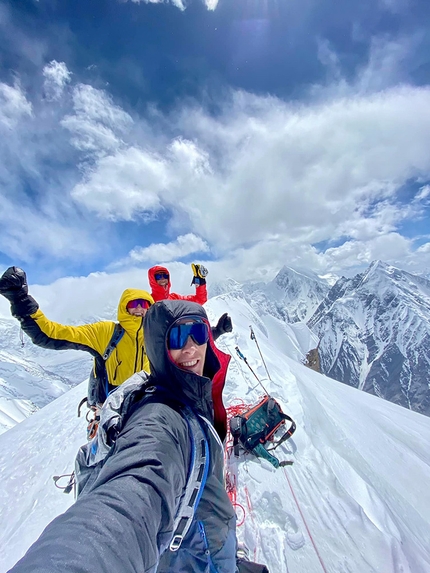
(159, 276)
(179, 333)
(135, 303)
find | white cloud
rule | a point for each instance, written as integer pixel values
(390, 247)
(57, 76)
(183, 246)
(422, 194)
(424, 249)
(257, 184)
(97, 124)
(389, 63)
(178, 3)
(28, 233)
(267, 168)
(13, 105)
(210, 4)
(126, 185)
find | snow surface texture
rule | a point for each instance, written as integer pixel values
(30, 376)
(356, 499)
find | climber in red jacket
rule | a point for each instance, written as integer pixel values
(159, 281)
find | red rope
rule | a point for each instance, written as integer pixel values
(230, 478)
(304, 521)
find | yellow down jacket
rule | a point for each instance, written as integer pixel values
(127, 358)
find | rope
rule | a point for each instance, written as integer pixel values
(230, 477)
(306, 525)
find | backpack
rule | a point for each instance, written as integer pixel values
(257, 426)
(98, 388)
(92, 456)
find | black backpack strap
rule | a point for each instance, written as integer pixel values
(287, 434)
(244, 566)
(118, 333)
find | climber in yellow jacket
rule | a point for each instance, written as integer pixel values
(118, 348)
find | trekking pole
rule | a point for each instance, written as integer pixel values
(242, 357)
(253, 337)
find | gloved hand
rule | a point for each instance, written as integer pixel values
(224, 325)
(200, 273)
(14, 287)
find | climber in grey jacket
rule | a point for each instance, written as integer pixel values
(123, 520)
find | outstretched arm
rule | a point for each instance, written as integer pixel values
(41, 330)
(126, 519)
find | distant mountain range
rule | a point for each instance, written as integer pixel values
(292, 296)
(374, 328)
(373, 331)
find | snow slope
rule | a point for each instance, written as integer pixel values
(30, 376)
(356, 499)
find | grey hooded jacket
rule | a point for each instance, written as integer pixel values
(123, 520)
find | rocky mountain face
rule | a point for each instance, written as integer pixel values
(374, 332)
(291, 296)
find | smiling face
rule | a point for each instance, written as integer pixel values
(187, 342)
(191, 357)
(138, 311)
(138, 307)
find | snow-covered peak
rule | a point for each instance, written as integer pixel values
(30, 376)
(292, 296)
(375, 334)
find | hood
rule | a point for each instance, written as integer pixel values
(195, 390)
(128, 322)
(158, 292)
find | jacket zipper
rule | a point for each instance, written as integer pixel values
(137, 346)
(212, 567)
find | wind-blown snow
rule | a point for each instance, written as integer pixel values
(356, 499)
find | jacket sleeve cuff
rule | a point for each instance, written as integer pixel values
(25, 306)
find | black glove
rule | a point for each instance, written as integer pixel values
(14, 287)
(200, 273)
(224, 325)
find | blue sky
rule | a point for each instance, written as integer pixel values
(243, 134)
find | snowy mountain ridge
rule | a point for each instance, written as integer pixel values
(292, 296)
(355, 500)
(374, 332)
